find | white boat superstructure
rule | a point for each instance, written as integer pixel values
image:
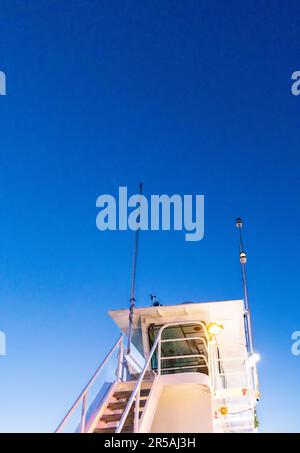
(188, 370)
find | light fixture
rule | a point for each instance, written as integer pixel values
(214, 328)
(223, 411)
(253, 358)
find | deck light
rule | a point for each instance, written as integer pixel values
(214, 328)
(223, 411)
(253, 358)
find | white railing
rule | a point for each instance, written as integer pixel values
(228, 393)
(173, 357)
(239, 357)
(83, 395)
(135, 396)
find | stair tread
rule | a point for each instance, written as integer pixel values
(123, 394)
(126, 429)
(119, 405)
(114, 405)
(116, 417)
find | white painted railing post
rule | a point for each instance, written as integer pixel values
(119, 371)
(137, 412)
(83, 414)
(159, 357)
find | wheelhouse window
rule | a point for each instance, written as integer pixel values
(183, 348)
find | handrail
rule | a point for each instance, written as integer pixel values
(185, 367)
(141, 377)
(170, 340)
(201, 356)
(84, 392)
(189, 366)
(200, 323)
(136, 388)
(182, 356)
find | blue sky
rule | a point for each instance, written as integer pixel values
(189, 97)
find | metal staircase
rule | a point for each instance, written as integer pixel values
(114, 410)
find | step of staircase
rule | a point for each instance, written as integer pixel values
(112, 430)
(108, 418)
(114, 410)
(149, 376)
(116, 405)
(126, 394)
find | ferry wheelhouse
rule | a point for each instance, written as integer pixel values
(188, 370)
(179, 368)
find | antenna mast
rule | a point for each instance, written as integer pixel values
(247, 316)
(133, 276)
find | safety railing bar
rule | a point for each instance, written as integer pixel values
(159, 356)
(186, 339)
(225, 345)
(184, 367)
(227, 359)
(183, 356)
(244, 400)
(166, 340)
(83, 413)
(137, 412)
(244, 397)
(119, 371)
(238, 427)
(235, 420)
(200, 323)
(91, 381)
(232, 419)
(231, 373)
(198, 355)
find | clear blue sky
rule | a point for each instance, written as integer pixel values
(191, 97)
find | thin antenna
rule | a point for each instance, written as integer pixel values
(247, 316)
(133, 276)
